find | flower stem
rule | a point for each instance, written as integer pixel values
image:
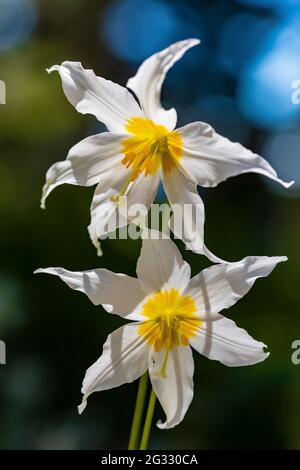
(138, 413)
(148, 421)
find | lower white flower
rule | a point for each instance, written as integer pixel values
(171, 313)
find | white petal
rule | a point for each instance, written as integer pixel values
(160, 265)
(223, 341)
(174, 391)
(213, 258)
(143, 190)
(87, 162)
(107, 215)
(123, 360)
(221, 286)
(110, 103)
(119, 294)
(104, 210)
(187, 221)
(208, 158)
(147, 82)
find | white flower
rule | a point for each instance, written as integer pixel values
(142, 147)
(171, 312)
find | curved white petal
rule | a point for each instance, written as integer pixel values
(223, 341)
(187, 221)
(104, 209)
(213, 258)
(208, 158)
(142, 192)
(175, 389)
(86, 162)
(107, 214)
(160, 265)
(147, 82)
(123, 360)
(110, 103)
(117, 293)
(221, 286)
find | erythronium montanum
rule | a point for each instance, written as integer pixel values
(170, 313)
(142, 146)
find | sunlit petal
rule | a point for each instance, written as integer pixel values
(87, 162)
(123, 360)
(117, 293)
(149, 78)
(221, 286)
(208, 158)
(110, 103)
(223, 341)
(174, 385)
(160, 265)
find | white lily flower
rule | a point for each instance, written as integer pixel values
(171, 313)
(142, 147)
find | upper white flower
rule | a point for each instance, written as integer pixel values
(171, 312)
(142, 146)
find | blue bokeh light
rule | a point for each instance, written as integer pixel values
(222, 113)
(281, 5)
(17, 21)
(134, 30)
(239, 40)
(265, 87)
(265, 95)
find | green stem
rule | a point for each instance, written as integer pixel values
(138, 413)
(148, 421)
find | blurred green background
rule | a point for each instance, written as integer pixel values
(239, 80)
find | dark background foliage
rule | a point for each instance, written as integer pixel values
(239, 80)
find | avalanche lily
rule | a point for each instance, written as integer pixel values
(171, 313)
(142, 147)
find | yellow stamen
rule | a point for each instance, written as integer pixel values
(118, 197)
(171, 321)
(162, 371)
(150, 147)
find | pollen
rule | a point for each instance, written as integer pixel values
(170, 319)
(150, 147)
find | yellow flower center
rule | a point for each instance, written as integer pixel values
(171, 320)
(150, 147)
